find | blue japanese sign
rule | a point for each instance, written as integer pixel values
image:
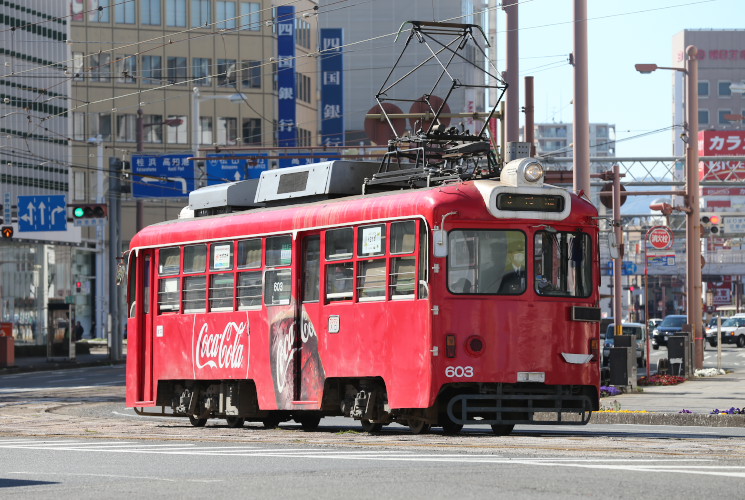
(286, 89)
(42, 213)
(627, 268)
(304, 158)
(163, 176)
(332, 87)
(228, 168)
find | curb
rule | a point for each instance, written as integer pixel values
(57, 365)
(681, 419)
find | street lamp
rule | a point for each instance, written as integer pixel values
(692, 209)
(196, 99)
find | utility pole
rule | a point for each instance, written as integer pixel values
(581, 114)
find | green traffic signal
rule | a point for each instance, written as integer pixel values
(79, 212)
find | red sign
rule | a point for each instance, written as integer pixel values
(722, 143)
(6, 329)
(660, 237)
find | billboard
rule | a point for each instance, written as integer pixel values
(721, 143)
(286, 85)
(332, 87)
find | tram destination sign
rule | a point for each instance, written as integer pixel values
(660, 237)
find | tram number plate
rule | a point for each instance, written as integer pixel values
(459, 371)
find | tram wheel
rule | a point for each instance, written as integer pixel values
(418, 426)
(235, 421)
(197, 422)
(270, 422)
(309, 422)
(368, 426)
(450, 427)
(502, 429)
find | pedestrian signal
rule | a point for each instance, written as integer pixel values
(7, 232)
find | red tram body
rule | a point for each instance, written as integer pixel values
(462, 303)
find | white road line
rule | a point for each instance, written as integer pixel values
(119, 476)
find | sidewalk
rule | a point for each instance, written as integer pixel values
(98, 355)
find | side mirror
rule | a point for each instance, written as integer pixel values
(440, 238)
(613, 245)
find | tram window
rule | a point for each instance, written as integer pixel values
(403, 277)
(487, 262)
(221, 292)
(249, 290)
(249, 254)
(195, 297)
(423, 267)
(403, 237)
(339, 281)
(132, 284)
(278, 287)
(339, 243)
(168, 295)
(221, 256)
(371, 280)
(279, 251)
(311, 268)
(169, 261)
(563, 264)
(371, 240)
(195, 258)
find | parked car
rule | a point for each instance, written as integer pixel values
(733, 332)
(638, 330)
(671, 325)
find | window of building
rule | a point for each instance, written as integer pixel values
(722, 120)
(703, 89)
(126, 68)
(125, 12)
(152, 69)
(101, 125)
(201, 13)
(153, 129)
(703, 116)
(78, 126)
(179, 133)
(176, 67)
(225, 15)
(251, 74)
(99, 16)
(227, 130)
(302, 33)
(724, 90)
(100, 67)
(201, 71)
(150, 11)
(251, 133)
(205, 130)
(176, 12)
(302, 83)
(80, 188)
(250, 16)
(125, 127)
(249, 254)
(225, 72)
(78, 72)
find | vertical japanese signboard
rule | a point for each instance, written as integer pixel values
(332, 95)
(286, 110)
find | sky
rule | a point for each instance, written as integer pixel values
(620, 34)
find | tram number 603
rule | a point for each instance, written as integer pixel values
(459, 371)
(278, 286)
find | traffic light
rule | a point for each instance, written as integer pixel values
(78, 286)
(7, 232)
(711, 225)
(89, 211)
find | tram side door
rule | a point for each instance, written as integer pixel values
(139, 327)
(309, 370)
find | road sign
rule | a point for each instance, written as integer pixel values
(305, 157)
(163, 176)
(734, 225)
(42, 213)
(660, 237)
(220, 169)
(666, 260)
(628, 268)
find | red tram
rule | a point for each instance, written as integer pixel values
(469, 302)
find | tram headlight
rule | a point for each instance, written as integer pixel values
(533, 172)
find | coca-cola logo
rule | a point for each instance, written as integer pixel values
(221, 350)
(285, 350)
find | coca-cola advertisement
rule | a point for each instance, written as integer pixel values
(221, 349)
(721, 143)
(297, 368)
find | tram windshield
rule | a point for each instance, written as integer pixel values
(487, 262)
(563, 264)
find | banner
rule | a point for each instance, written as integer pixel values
(286, 90)
(332, 87)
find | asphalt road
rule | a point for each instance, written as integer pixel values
(67, 433)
